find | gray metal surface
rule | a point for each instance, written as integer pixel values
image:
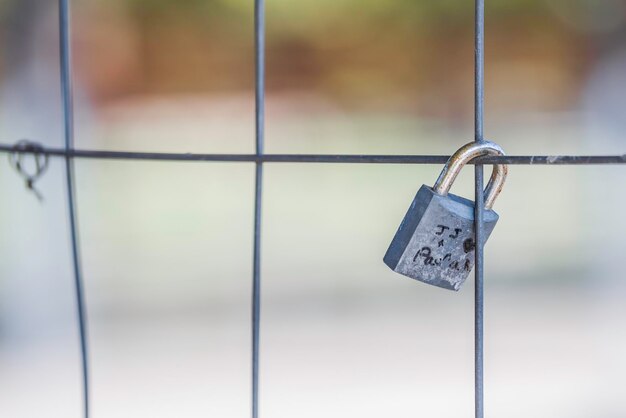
(435, 242)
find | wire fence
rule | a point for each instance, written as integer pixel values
(259, 158)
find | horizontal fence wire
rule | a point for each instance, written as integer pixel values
(320, 158)
(69, 153)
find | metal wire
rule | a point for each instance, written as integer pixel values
(259, 158)
(68, 123)
(40, 161)
(479, 100)
(323, 158)
(259, 53)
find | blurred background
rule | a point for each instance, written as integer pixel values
(167, 247)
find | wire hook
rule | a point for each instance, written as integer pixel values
(16, 159)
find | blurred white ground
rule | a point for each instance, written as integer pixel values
(548, 354)
(167, 262)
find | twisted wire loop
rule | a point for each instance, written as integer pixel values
(25, 148)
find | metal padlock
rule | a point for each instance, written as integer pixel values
(435, 242)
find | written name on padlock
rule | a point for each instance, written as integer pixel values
(435, 242)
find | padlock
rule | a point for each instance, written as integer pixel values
(435, 242)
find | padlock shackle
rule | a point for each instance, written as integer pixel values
(464, 155)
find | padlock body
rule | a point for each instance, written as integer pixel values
(435, 242)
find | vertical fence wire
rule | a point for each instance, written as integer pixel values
(479, 92)
(259, 59)
(69, 153)
(65, 53)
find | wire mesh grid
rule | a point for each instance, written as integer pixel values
(69, 153)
